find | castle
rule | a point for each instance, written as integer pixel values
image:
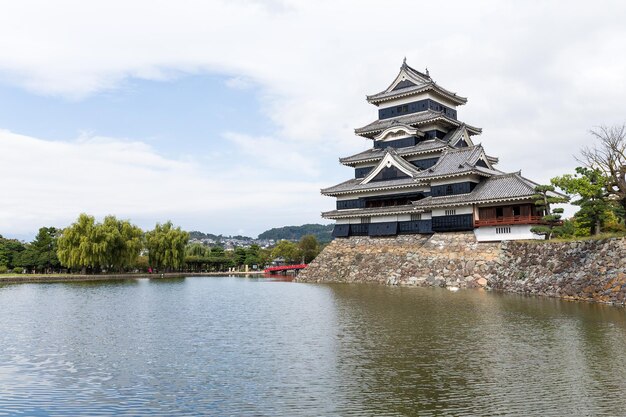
(424, 173)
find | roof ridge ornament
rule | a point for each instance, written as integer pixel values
(404, 62)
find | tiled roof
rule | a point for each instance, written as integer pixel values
(453, 162)
(374, 154)
(338, 214)
(453, 135)
(354, 185)
(457, 161)
(412, 119)
(388, 95)
(401, 162)
(419, 82)
(496, 188)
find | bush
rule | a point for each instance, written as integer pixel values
(3, 269)
(18, 270)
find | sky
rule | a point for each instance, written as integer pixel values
(229, 116)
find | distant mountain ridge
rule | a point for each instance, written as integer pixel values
(322, 232)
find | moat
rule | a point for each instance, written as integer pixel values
(252, 346)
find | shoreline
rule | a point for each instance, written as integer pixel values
(48, 278)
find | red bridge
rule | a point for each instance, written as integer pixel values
(284, 268)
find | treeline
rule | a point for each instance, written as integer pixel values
(115, 245)
(597, 187)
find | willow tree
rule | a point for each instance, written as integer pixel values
(122, 242)
(113, 244)
(166, 246)
(75, 247)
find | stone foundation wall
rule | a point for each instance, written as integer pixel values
(591, 270)
(441, 259)
(585, 270)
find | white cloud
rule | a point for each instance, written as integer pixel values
(538, 75)
(50, 183)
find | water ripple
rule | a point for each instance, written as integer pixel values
(246, 347)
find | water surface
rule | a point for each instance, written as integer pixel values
(253, 347)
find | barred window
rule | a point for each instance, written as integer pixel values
(366, 220)
(451, 212)
(416, 216)
(502, 230)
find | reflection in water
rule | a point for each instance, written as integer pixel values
(253, 346)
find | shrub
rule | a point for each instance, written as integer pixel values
(18, 270)
(3, 269)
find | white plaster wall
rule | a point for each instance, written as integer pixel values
(459, 210)
(518, 232)
(384, 219)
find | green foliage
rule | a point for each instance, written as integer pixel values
(113, 244)
(323, 233)
(141, 263)
(309, 248)
(252, 255)
(10, 250)
(590, 185)
(287, 250)
(166, 246)
(41, 253)
(18, 270)
(545, 195)
(3, 269)
(197, 249)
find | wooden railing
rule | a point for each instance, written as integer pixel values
(508, 220)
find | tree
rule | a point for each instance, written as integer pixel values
(41, 254)
(252, 255)
(590, 185)
(76, 247)
(608, 156)
(113, 244)
(10, 250)
(544, 196)
(166, 246)
(122, 243)
(287, 250)
(309, 247)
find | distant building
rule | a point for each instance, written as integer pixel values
(425, 174)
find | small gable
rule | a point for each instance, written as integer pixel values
(404, 84)
(482, 163)
(389, 173)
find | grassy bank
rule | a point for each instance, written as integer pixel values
(34, 278)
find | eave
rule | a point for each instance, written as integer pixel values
(384, 96)
(437, 116)
(353, 213)
(369, 189)
(378, 158)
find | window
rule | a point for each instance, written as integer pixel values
(366, 220)
(402, 109)
(415, 217)
(450, 212)
(499, 212)
(449, 190)
(502, 230)
(517, 210)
